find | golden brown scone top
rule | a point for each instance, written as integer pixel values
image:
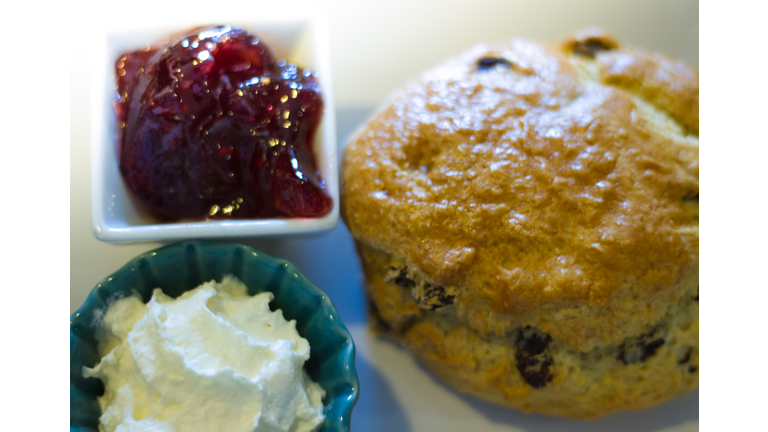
(560, 179)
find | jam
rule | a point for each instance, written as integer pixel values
(212, 127)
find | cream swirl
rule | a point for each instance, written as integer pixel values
(213, 359)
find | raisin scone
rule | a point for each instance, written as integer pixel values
(527, 221)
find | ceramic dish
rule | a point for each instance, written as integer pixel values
(182, 266)
(119, 216)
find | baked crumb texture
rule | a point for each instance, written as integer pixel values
(527, 219)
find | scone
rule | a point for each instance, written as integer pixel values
(527, 221)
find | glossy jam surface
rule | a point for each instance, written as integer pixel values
(212, 127)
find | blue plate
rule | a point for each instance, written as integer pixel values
(183, 266)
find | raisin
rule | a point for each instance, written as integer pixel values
(432, 297)
(427, 296)
(403, 280)
(697, 295)
(691, 204)
(533, 362)
(438, 293)
(692, 369)
(650, 348)
(487, 63)
(691, 197)
(683, 355)
(590, 47)
(641, 349)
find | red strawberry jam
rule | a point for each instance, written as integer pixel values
(214, 127)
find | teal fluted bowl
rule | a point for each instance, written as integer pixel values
(183, 266)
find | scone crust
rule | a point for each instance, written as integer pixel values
(557, 188)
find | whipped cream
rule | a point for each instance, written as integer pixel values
(214, 359)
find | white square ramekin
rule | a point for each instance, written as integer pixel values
(118, 215)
